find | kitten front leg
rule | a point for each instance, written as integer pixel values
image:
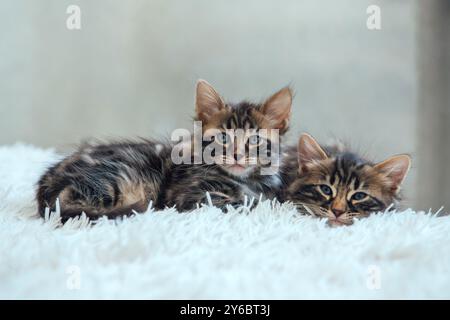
(190, 201)
(224, 201)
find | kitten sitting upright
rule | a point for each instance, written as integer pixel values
(340, 185)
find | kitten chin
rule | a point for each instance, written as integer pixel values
(241, 171)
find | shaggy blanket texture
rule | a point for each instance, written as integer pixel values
(271, 252)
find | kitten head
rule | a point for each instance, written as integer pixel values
(242, 134)
(340, 185)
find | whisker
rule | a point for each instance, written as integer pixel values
(312, 209)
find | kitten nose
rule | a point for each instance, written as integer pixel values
(337, 212)
(238, 156)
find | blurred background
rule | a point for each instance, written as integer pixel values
(131, 71)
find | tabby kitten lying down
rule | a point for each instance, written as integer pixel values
(117, 179)
(339, 185)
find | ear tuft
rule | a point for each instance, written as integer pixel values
(277, 109)
(309, 150)
(395, 168)
(207, 101)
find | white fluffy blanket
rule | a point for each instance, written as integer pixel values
(269, 253)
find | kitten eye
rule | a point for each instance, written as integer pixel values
(359, 195)
(255, 140)
(223, 138)
(326, 189)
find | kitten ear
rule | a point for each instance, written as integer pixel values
(309, 150)
(207, 101)
(395, 168)
(277, 109)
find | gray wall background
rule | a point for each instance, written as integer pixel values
(131, 69)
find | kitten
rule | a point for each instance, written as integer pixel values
(236, 175)
(337, 184)
(118, 179)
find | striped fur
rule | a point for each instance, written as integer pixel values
(116, 179)
(187, 184)
(339, 184)
(107, 179)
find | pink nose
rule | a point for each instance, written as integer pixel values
(337, 212)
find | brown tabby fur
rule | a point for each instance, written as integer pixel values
(117, 179)
(106, 179)
(337, 184)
